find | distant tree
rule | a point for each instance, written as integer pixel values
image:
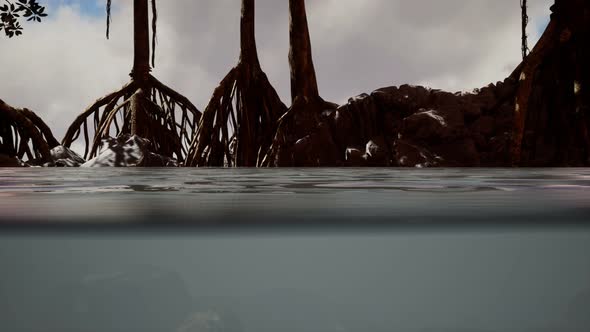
(239, 123)
(145, 107)
(11, 13)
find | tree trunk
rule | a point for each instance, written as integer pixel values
(141, 41)
(248, 52)
(303, 78)
(141, 65)
(248, 68)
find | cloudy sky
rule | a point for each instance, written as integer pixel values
(62, 65)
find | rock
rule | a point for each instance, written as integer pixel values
(445, 99)
(342, 128)
(354, 157)
(460, 153)
(429, 125)
(128, 151)
(486, 97)
(316, 149)
(391, 125)
(484, 126)
(506, 90)
(470, 110)
(499, 151)
(64, 157)
(504, 117)
(408, 154)
(376, 152)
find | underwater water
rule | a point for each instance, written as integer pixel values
(434, 250)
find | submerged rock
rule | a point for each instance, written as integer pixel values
(128, 151)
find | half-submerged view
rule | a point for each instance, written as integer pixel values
(243, 191)
(537, 116)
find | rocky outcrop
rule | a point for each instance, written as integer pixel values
(538, 116)
(128, 151)
(65, 157)
(413, 126)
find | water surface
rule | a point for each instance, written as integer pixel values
(441, 272)
(313, 195)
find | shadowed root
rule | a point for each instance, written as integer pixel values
(163, 116)
(239, 122)
(302, 118)
(24, 134)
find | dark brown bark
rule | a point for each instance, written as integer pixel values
(141, 41)
(550, 67)
(303, 76)
(248, 51)
(244, 103)
(24, 134)
(146, 107)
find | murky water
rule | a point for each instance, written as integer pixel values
(440, 274)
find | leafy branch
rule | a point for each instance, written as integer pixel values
(12, 12)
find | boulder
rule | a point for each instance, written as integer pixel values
(128, 151)
(408, 154)
(316, 149)
(430, 125)
(62, 156)
(484, 126)
(377, 153)
(354, 157)
(459, 153)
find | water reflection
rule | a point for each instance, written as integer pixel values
(348, 194)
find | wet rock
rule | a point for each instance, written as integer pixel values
(128, 151)
(484, 125)
(65, 157)
(316, 149)
(376, 152)
(409, 154)
(432, 124)
(499, 154)
(342, 127)
(460, 153)
(354, 157)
